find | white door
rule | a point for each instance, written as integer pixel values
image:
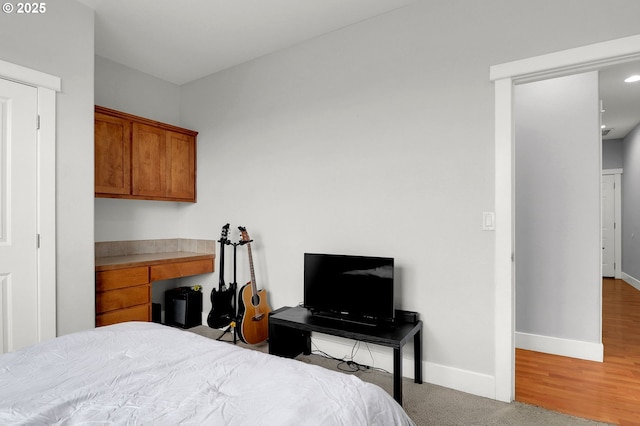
(18, 216)
(608, 226)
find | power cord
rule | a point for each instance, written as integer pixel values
(347, 364)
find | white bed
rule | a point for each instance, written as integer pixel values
(146, 373)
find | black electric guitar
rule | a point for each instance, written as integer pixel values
(222, 309)
(253, 310)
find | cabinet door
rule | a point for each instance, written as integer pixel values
(149, 161)
(112, 155)
(181, 166)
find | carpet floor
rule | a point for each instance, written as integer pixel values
(429, 404)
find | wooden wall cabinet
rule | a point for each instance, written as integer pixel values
(143, 159)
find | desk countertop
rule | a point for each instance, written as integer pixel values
(148, 259)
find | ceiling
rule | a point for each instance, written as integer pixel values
(180, 41)
(621, 101)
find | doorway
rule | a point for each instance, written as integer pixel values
(612, 223)
(557, 216)
(504, 76)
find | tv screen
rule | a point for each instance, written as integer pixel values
(358, 288)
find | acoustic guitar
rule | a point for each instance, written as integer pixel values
(222, 309)
(253, 309)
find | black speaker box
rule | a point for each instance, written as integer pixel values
(406, 317)
(156, 312)
(183, 307)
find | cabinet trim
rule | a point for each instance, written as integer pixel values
(143, 120)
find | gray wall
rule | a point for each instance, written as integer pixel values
(612, 154)
(125, 89)
(60, 42)
(557, 203)
(631, 205)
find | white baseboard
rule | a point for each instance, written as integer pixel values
(382, 357)
(462, 380)
(565, 347)
(632, 281)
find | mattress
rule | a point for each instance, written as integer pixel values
(147, 373)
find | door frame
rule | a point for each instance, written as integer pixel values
(617, 249)
(47, 86)
(505, 76)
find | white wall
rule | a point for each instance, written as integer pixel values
(557, 205)
(630, 208)
(125, 89)
(60, 42)
(329, 147)
(376, 139)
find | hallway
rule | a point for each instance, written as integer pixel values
(608, 391)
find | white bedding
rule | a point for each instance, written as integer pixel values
(146, 373)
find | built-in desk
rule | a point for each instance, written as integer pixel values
(123, 283)
(290, 335)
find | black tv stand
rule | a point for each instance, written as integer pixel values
(337, 320)
(290, 335)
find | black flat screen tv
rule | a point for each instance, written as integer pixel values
(355, 288)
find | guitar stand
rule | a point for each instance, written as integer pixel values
(232, 324)
(225, 331)
(234, 286)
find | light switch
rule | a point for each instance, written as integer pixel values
(488, 221)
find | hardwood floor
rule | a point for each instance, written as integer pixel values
(607, 391)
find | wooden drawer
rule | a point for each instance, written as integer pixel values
(122, 298)
(181, 269)
(136, 313)
(120, 278)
